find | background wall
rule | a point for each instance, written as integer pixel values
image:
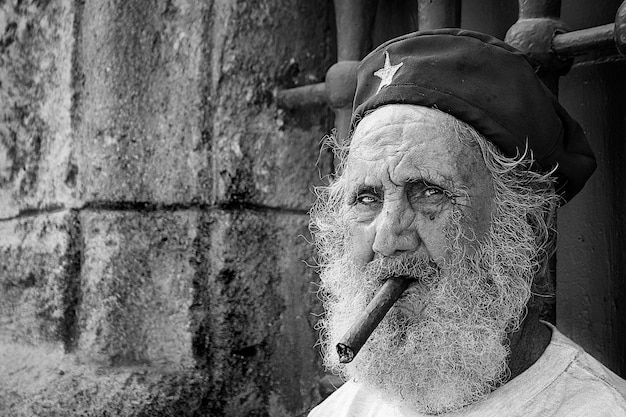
(153, 204)
(591, 264)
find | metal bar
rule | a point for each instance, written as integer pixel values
(343, 116)
(620, 28)
(533, 34)
(354, 20)
(341, 83)
(438, 14)
(292, 98)
(530, 9)
(580, 42)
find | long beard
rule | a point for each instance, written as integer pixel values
(444, 344)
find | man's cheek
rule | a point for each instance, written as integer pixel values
(432, 234)
(359, 242)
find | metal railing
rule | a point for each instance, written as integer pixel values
(539, 33)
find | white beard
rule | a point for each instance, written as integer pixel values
(444, 344)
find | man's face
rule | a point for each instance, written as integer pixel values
(406, 173)
(415, 200)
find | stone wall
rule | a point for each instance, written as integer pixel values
(153, 200)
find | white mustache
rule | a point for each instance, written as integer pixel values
(413, 266)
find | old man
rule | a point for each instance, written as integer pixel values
(458, 159)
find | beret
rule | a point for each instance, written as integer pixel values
(486, 83)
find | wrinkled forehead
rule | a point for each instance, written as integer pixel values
(397, 121)
(401, 143)
(403, 112)
(401, 117)
(398, 130)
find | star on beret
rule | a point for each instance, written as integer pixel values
(387, 72)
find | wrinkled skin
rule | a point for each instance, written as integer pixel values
(406, 170)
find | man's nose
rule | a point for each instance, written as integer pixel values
(395, 232)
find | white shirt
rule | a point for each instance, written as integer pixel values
(565, 381)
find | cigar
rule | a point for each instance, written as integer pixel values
(364, 326)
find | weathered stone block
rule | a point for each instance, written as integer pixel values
(39, 266)
(38, 382)
(143, 102)
(137, 287)
(254, 301)
(37, 166)
(268, 156)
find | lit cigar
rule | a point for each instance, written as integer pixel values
(357, 335)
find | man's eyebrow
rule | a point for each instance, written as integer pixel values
(428, 178)
(368, 188)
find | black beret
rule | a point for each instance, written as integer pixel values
(486, 83)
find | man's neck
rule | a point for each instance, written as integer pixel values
(528, 343)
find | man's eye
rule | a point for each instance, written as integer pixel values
(432, 191)
(421, 192)
(366, 199)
